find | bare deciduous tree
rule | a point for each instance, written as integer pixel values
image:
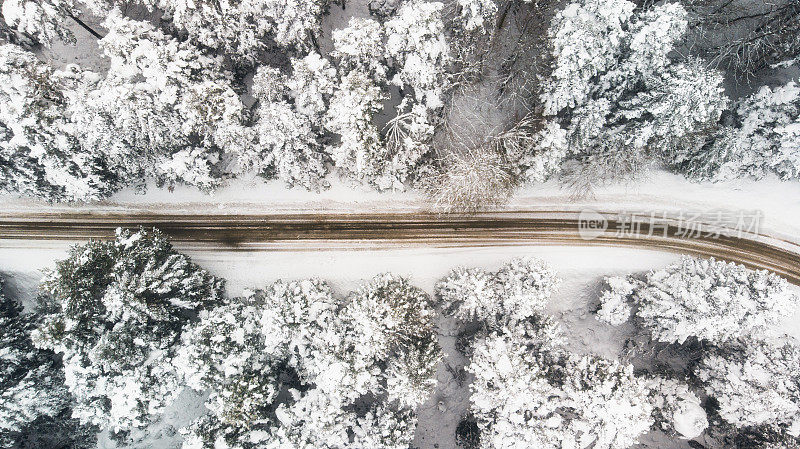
(468, 182)
(745, 36)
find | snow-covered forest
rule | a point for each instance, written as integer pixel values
(462, 100)
(369, 203)
(123, 330)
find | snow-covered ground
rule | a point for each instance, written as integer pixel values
(581, 268)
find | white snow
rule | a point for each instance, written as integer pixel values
(690, 420)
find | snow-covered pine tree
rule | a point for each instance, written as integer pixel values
(676, 408)
(526, 285)
(408, 140)
(34, 403)
(392, 322)
(615, 302)
(586, 39)
(241, 352)
(311, 85)
(618, 94)
(469, 294)
(39, 153)
(518, 290)
(528, 393)
(389, 331)
(241, 29)
(361, 47)
(291, 366)
(370, 381)
(115, 312)
(289, 122)
(708, 299)
(413, 44)
(420, 55)
(765, 139)
(361, 152)
(42, 20)
(756, 382)
(419, 52)
(164, 111)
(548, 141)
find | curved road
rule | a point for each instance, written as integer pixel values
(315, 231)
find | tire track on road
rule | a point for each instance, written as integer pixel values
(313, 232)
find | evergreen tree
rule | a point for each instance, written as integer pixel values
(360, 47)
(707, 299)
(243, 29)
(518, 290)
(164, 111)
(34, 403)
(413, 44)
(528, 393)
(244, 363)
(756, 382)
(620, 97)
(42, 20)
(764, 138)
(360, 153)
(115, 312)
(311, 85)
(420, 55)
(288, 135)
(419, 52)
(292, 366)
(615, 305)
(391, 322)
(39, 152)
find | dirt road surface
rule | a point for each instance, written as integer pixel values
(311, 232)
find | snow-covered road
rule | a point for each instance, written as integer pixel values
(303, 232)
